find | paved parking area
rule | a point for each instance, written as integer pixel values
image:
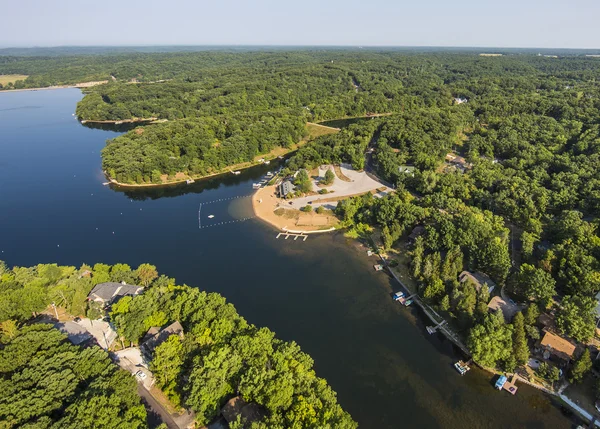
(360, 183)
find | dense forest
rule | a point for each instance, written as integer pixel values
(47, 382)
(504, 157)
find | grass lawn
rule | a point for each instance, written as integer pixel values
(6, 78)
(316, 130)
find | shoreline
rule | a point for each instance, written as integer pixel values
(264, 204)
(79, 85)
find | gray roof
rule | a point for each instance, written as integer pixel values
(286, 187)
(157, 339)
(406, 169)
(107, 292)
(77, 334)
(478, 279)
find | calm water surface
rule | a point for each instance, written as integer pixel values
(321, 293)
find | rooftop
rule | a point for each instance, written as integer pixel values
(478, 279)
(558, 346)
(107, 292)
(75, 333)
(161, 336)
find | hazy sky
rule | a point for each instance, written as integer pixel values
(500, 23)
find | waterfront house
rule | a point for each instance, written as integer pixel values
(109, 292)
(155, 337)
(478, 279)
(285, 188)
(557, 346)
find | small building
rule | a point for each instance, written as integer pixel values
(478, 279)
(107, 293)
(155, 340)
(508, 309)
(458, 161)
(249, 412)
(558, 346)
(407, 169)
(285, 188)
(76, 334)
(460, 100)
(415, 233)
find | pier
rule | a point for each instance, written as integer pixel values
(290, 234)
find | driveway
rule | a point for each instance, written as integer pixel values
(100, 330)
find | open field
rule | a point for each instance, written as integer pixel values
(6, 78)
(316, 130)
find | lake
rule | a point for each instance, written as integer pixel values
(321, 293)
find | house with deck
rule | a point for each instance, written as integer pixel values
(553, 345)
(156, 336)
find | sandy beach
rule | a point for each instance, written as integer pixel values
(265, 202)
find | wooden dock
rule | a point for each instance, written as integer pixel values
(290, 234)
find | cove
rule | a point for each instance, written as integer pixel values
(322, 293)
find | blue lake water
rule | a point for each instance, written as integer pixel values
(321, 293)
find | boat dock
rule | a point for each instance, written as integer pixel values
(510, 385)
(290, 234)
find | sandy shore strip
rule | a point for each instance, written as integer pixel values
(45, 88)
(265, 202)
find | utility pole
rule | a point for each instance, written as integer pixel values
(55, 312)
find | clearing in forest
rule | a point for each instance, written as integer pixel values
(7, 78)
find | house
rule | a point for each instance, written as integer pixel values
(407, 169)
(161, 335)
(285, 188)
(107, 293)
(557, 346)
(460, 100)
(250, 412)
(478, 279)
(76, 334)
(458, 161)
(416, 232)
(509, 309)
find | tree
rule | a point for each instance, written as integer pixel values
(581, 367)
(166, 365)
(536, 284)
(520, 347)
(146, 273)
(491, 341)
(329, 178)
(302, 182)
(576, 317)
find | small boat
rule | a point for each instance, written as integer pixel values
(236, 172)
(267, 162)
(461, 367)
(269, 174)
(189, 181)
(500, 382)
(106, 183)
(398, 295)
(408, 302)
(256, 185)
(378, 267)
(211, 216)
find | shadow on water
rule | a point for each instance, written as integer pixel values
(201, 185)
(118, 128)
